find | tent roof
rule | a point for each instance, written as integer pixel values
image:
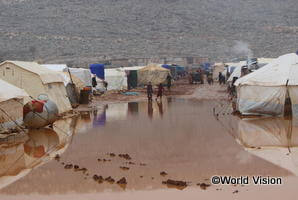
(133, 68)
(153, 67)
(280, 71)
(46, 75)
(55, 67)
(8, 91)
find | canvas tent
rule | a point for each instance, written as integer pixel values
(83, 74)
(273, 139)
(153, 73)
(237, 70)
(116, 79)
(132, 76)
(36, 80)
(264, 91)
(11, 104)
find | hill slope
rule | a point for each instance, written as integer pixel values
(85, 31)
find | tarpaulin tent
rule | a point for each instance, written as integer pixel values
(36, 80)
(11, 104)
(98, 69)
(236, 72)
(153, 73)
(264, 91)
(55, 67)
(116, 79)
(83, 74)
(132, 76)
(273, 139)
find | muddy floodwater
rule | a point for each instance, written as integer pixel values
(180, 137)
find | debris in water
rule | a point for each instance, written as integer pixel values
(125, 156)
(98, 159)
(97, 178)
(176, 184)
(152, 178)
(122, 181)
(130, 163)
(163, 173)
(76, 167)
(112, 154)
(236, 191)
(142, 164)
(63, 163)
(141, 176)
(57, 157)
(124, 168)
(203, 186)
(68, 166)
(110, 180)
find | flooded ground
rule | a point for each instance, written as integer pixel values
(180, 137)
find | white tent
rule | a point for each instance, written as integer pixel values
(83, 74)
(237, 70)
(133, 68)
(273, 139)
(55, 67)
(116, 79)
(36, 80)
(59, 68)
(263, 92)
(11, 103)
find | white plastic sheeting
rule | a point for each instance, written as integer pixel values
(274, 140)
(237, 70)
(8, 91)
(59, 68)
(46, 75)
(116, 79)
(261, 100)
(264, 90)
(83, 74)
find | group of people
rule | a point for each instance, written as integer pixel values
(160, 89)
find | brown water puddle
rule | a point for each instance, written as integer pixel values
(138, 141)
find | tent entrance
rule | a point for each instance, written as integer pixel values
(288, 106)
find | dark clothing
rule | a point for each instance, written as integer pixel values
(160, 90)
(94, 82)
(149, 92)
(169, 82)
(220, 78)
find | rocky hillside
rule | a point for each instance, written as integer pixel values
(84, 31)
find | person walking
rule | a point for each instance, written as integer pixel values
(160, 91)
(169, 82)
(149, 91)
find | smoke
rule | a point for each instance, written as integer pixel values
(242, 49)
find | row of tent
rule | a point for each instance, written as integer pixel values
(265, 90)
(21, 82)
(131, 77)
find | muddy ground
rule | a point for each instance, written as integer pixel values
(128, 148)
(181, 88)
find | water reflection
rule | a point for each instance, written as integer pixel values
(21, 155)
(120, 112)
(272, 139)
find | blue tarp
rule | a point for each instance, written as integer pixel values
(98, 69)
(167, 66)
(206, 66)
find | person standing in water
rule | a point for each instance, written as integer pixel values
(160, 91)
(149, 91)
(169, 82)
